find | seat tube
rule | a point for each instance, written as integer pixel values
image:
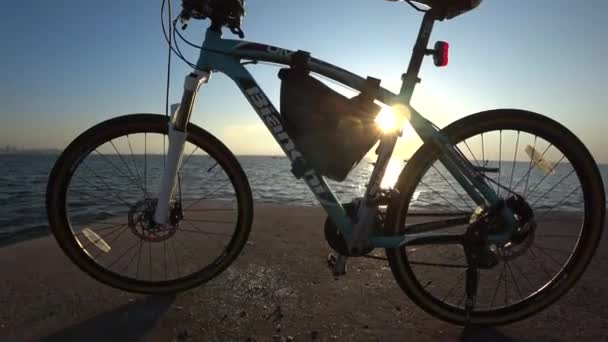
(177, 131)
(410, 78)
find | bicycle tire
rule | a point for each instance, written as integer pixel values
(84, 144)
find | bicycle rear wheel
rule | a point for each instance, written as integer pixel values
(520, 153)
(101, 198)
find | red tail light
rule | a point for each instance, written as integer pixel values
(441, 54)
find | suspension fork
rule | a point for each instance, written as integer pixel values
(177, 131)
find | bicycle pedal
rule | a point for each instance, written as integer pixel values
(337, 264)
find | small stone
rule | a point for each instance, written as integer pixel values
(277, 328)
(277, 314)
(179, 308)
(278, 338)
(182, 335)
(289, 338)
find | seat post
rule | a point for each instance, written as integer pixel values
(410, 78)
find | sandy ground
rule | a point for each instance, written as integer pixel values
(279, 289)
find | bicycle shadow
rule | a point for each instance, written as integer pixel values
(129, 322)
(483, 333)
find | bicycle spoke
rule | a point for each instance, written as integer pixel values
(141, 242)
(187, 159)
(130, 248)
(104, 183)
(145, 162)
(498, 186)
(431, 264)
(468, 148)
(209, 221)
(545, 213)
(544, 177)
(210, 209)
(553, 187)
(119, 202)
(514, 159)
(541, 265)
(111, 224)
(504, 265)
(521, 297)
(443, 198)
(116, 226)
(550, 257)
(557, 235)
(496, 289)
(451, 186)
(531, 166)
(207, 195)
(522, 273)
(150, 259)
(112, 241)
(118, 169)
(200, 231)
(165, 256)
(483, 153)
(532, 162)
(136, 169)
(103, 237)
(460, 277)
(176, 259)
(91, 243)
(553, 249)
(126, 267)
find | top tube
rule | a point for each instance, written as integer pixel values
(214, 44)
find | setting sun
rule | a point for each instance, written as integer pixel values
(386, 119)
(391, 119)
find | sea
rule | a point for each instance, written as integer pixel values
(23, 180)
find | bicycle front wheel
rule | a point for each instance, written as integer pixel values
(519, 153)
(102, 194)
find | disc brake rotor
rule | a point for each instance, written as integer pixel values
(142, 224)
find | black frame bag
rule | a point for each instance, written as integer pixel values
(332, 131)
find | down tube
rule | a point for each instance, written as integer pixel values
(272, 119)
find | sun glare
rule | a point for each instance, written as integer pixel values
(391, 119)
(386, 119)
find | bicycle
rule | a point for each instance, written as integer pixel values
(483, 226)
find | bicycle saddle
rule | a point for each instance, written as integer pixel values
(448, 9)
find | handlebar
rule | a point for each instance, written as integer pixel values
(221, 13)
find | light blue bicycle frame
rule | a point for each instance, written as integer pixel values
(228, 56)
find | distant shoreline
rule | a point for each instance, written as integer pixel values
(4, 153)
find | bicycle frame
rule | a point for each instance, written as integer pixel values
(226, 56)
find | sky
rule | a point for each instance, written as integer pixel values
(67, 65)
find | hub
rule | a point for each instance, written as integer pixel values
(141, 221)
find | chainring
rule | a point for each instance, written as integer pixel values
(333, 236)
